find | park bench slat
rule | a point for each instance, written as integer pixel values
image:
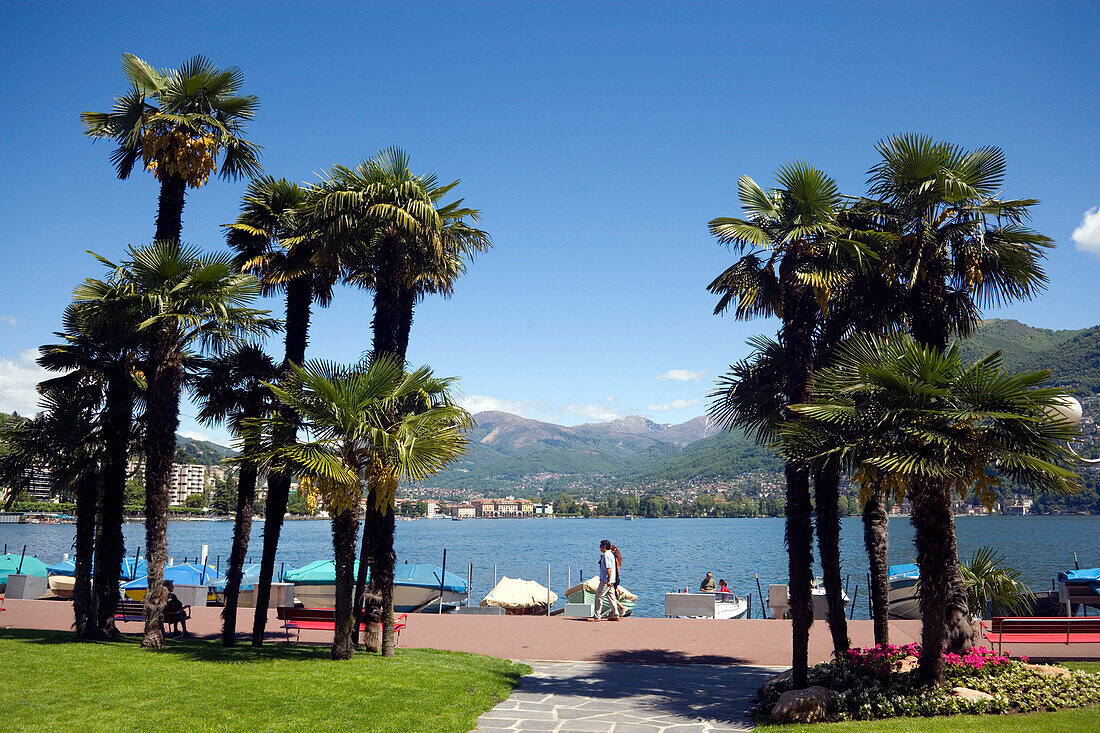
(322, 619)
(1035, 630)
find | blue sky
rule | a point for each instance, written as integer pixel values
(598, 141)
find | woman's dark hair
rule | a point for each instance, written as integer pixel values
(605, 544)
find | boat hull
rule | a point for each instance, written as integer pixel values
(406, 598)
(903, 597)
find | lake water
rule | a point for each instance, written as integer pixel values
(659, 554)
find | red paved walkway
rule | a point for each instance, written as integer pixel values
(538, 638)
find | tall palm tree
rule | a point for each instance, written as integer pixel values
(906, 413)
(789, 244)
(233, 388)
(177, 122)
(400, 241)
(959, 248)
(275, 238)
(187, 298)
(102, 345)
(372, 422)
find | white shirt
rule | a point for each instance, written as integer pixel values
(607, 567)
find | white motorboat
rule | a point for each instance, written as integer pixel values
(904, 600)
(706, 605)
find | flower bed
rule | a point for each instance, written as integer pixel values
(879, 682)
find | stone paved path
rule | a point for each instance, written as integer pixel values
(626, 698)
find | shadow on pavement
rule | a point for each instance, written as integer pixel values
(690, 691)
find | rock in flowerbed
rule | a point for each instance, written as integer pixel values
(880, 682)
(802, 706)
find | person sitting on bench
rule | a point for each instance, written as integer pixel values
(175, 612)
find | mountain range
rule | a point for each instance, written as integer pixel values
(509, 453)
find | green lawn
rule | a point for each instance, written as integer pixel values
(51, 682)
(1064, 721)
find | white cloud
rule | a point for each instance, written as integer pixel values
(196, 435)
(483, 403)
(674, 405)
(18, 379)
(608, 399)
(8, 320)
(681, 375)
(595, 411)
(1087, 235)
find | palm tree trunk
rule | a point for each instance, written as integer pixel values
(389, 282)
(170, 209)
(344, 527)
(796, 336)
(877, 541)
(84, 600)
(165, 376)
(937, 556)
(827, 495)
(366, 558)
(242, 529)
(406, 303)
(111, 544)
(391, 325)
(386, 559)
(931, 328)
(299, 299)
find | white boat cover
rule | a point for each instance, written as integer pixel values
(593, 583)
(513, 593)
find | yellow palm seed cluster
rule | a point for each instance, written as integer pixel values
(180, 152)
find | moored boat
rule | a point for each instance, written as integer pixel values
(416, 587)
(586, 593)
(520, 597)
(722, 606)
(904, 601)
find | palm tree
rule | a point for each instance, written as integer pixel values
(790, 244)
(398, 240)
(102, 345)
(233, 388)
(275, 239)
(959, 247)
(373, 423)
(65, 439)
(894, 410)
(177, 122)
(991, 586)
(187, 298)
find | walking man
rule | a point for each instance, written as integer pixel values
(608, 577)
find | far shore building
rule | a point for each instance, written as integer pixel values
(463, 511)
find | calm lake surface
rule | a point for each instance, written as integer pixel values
(659, 554)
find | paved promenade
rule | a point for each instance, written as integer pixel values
(557, 639)
(620, 698)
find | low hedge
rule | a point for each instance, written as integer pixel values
(869, 685)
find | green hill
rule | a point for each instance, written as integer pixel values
(201, 452)
(1073, 356)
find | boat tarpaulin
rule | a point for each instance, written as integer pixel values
(592, 585)
(1085, 576)
(909, 570)
(318, 572)
(126, 570)
(250, 575)
(516, 595)
(9, 564)
(185, 574)
(428, 576)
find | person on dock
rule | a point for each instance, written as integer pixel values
(708, 586)
(608, 577)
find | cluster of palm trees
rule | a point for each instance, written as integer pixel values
(169, 317)
(862, 380)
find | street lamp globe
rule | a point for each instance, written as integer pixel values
(1067, 409)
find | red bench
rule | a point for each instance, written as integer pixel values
(1042, 630)
(323, 619)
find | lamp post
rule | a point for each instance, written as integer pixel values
(1070, 411)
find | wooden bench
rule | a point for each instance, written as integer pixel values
(128, 610)
(323, 619)
(1042, 630)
